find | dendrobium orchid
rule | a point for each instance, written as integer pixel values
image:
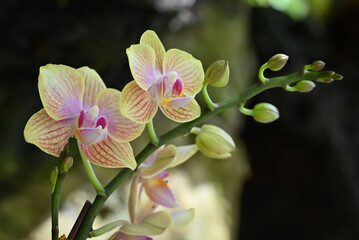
(78, 104)
(169, 80)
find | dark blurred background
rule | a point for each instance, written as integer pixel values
(304, 179)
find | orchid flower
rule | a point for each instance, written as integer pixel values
(169, 80)
(154, 181)
(78, 104)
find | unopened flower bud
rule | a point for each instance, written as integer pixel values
(337, 76)
(317, 66)
(305, 86)
(213, 141)
(217, 73)
(265, 113)
(68, 162)
(53, 178)
(325, 80)
(277, 62)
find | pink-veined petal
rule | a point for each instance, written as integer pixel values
(120, 128)
(188, 69)
(154, 224)
(177, 102)
(93, 85)
(123, 236)
(164, 159)
(110, 153)
(142, 65)
(186, 113)
(138, 105)
(48, 134)
(158, 191)
(61, 91)
(151, 39)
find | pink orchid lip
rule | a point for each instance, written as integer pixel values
(171, 89)
(91, 128)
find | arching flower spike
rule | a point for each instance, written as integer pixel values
(169, 80)
(78, 104)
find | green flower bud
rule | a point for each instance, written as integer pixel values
(305, 86)
(217, 73)
(325, 80)
(53, 178)
(213, 141)
(337, 76)
(265, 113)
(317, 66)
(277, 62)
(68, 162)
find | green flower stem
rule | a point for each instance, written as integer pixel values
(55, 195)
(261, 76)
(92, 176)
(245, 111)
(152, 134)
(106, 228)
(290, 88)
(207, 99)
(184, 129)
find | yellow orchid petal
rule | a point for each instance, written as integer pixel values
(119, 127)
(184, 153)
(151, 39)
(142, 60)
(164, 159)
(154, 224)
(134, 198)
(189, 70)
(138, 105)
(110, 153)
(93, 85)
(48, 134)
(182, 218)
(187, 113)
(61, 91)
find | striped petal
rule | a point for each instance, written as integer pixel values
(61, 90)
(93, 85)
(138, 105)
(120, 128)
(188, 69)
(186, 113)
(151, 39)
(154, 224)
(164, 159)
(158, 191)
(142, 60)
(48, 134)
(110, 153)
